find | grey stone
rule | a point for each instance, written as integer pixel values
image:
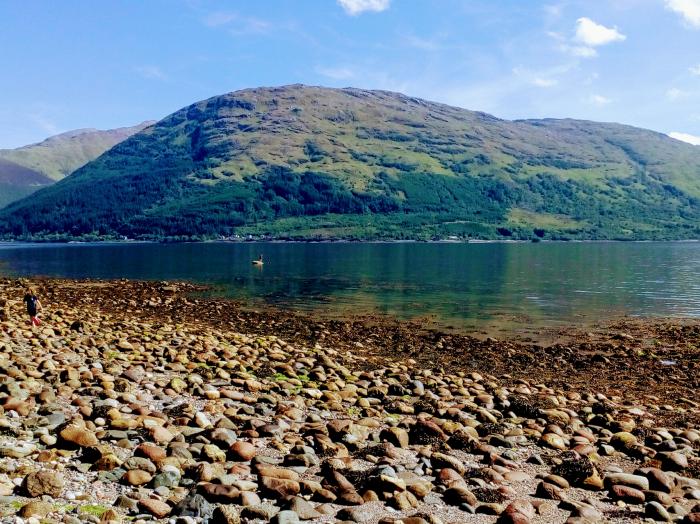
(627, 479)
(286, 517)
(193, 506)
(656, 511)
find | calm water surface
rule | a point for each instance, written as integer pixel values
(466, 286)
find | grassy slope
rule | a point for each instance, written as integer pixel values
(388, 166)
(26, 169)
(60, 155)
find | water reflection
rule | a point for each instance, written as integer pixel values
(462, 285)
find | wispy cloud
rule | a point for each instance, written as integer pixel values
(544, 82)
(336, 73)
(45, 123)
(237, 24)
(219, 18)
(356, 7)
(426, 44)
(538, 79)
(695, 70)
(590, 79)
(674, 94)
(599, 100)
(685, 137)
(688, 9)
(576, 50)
(151, 72)
(554, 11)
(580, 51)
(493, 95)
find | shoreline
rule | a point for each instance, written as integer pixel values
(349, 241)
(150, 401)
(633, 346)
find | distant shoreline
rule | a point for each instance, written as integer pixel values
(339, 241)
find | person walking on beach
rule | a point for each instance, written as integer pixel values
(33, 306)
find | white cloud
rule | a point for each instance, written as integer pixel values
(599, 100)
(685, 137)
(151, 72)
(592, 34)
(688, 9)
(355, 7)
(336, 73)
(587, 37)
(581, 51)
(695, 70)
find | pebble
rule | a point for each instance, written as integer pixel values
(244, 451)
(286, 517)
(627, 494)
(44, 482)
(36, 508)
(626, 479)
(191, 422)
(657, 512)
(137, 477)
(157, 508)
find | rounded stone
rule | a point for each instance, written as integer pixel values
(157, 508)
(243, 451)
(44, 482)
(137, 477)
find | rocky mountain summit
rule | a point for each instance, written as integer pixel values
(125, 406)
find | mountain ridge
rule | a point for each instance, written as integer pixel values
(50, 160)
(312, 162)
(125, 131)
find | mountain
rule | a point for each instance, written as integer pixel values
(313, 162)
(17, 181)
(29, 168)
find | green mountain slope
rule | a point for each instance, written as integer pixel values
(26, 169)
(313, 162)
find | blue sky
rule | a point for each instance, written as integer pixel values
(111, 63)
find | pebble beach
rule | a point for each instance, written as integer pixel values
(150, 402)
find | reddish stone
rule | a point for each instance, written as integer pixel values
(244, 451)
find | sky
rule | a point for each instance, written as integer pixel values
(80, 63)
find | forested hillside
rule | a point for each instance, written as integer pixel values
(311, 162)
